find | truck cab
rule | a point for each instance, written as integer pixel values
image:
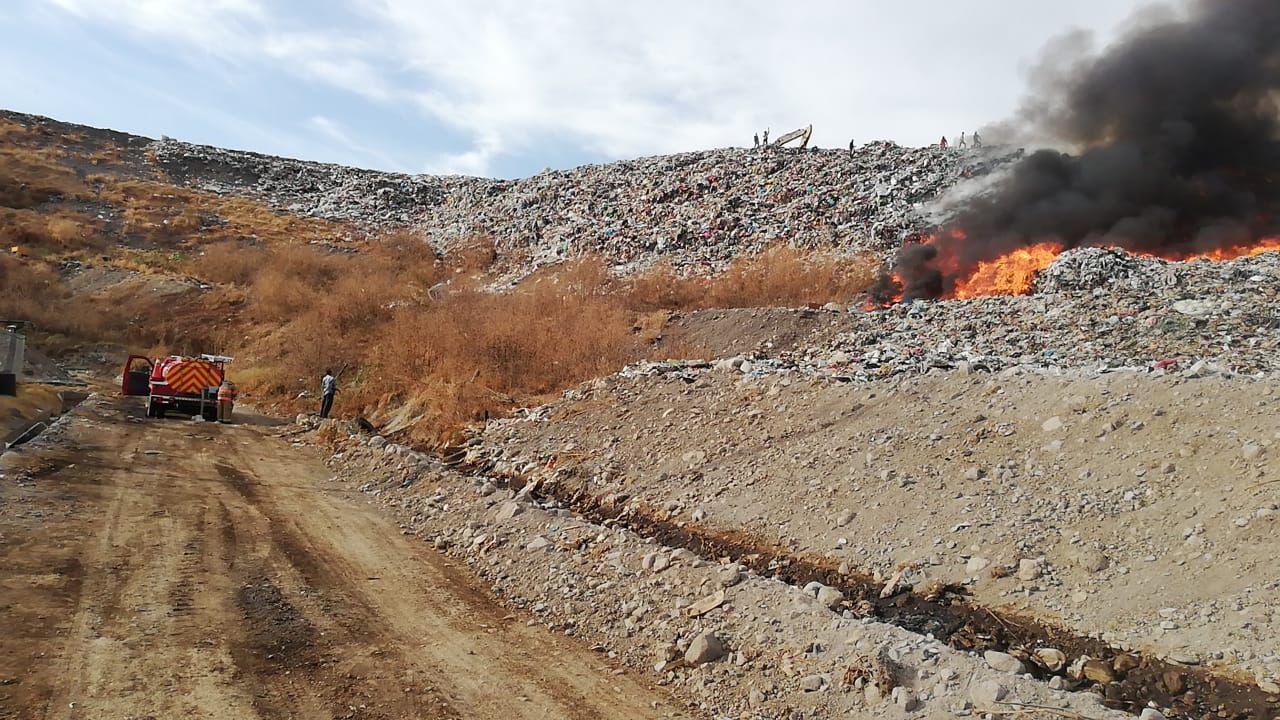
(136, 379)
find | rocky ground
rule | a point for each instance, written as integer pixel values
(733, 643)
(1097, 456)
(1061, 495)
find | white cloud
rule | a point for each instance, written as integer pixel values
(220, 28)
(336, 134)
(624, 79)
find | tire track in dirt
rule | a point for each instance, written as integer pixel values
(163, 573)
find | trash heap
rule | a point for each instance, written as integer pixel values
(1089, 268)
(1196, 319)
(698, 209)
(369, 198)
(1095, 310)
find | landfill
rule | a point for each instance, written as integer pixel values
(697, 209)
(1094, 311)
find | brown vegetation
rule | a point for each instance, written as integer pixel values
(422, 341)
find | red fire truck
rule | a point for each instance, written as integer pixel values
(185, 385)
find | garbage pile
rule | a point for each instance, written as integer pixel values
(369, 198)
(1089, 268)
(1196, 319)
(697, 208)
(1199, 317)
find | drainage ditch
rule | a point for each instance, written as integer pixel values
(67, 400)
(1125, 680)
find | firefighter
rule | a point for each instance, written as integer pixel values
(226, 400)
(328, 386)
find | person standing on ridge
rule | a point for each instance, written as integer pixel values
(756, 139)
(850, 146)
(977, 139)
(943, 144)
(766, 136)
(328, 386)
(963, 144)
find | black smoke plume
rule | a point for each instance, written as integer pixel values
(1175, 130)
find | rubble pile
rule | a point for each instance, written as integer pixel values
(697, 208)
(732, 643)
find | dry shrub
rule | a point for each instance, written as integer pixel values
(65, 231)
(791, 277)
(782, 276)
(662, 287)
(48, 233)
(473, 254)
(291, 281)
(457, 357)
(228, 263)
(332, 310)
(183, 220)
(20, 195)
(478, 352)
(34, 292)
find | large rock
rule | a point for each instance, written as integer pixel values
(1004, 662)
(987, 693)
(508, 510)
(976, 565)
(705, 648)
(830, 597)
(1088, 559)
(1029, 569)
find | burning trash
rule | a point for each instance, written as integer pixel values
(1178, 140)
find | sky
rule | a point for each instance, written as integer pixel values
(503, 88)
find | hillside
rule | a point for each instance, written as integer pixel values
(697, 208)
(666, 400)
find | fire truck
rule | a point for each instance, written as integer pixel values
(183, 385)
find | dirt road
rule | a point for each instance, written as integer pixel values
(160, 569)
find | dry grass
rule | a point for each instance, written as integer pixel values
(413, 330)
(782, 276)
(479, 353)
(49, 232)
(228, 263)
(459, 356)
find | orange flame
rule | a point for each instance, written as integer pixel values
(1227, 253)
(1010, 274)
(1014, 272)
